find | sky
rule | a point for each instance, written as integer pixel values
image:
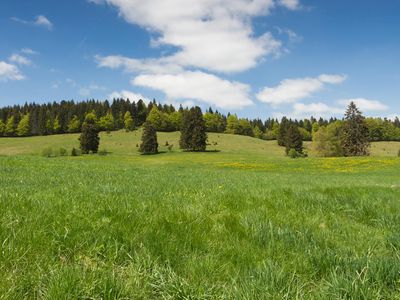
(256, 58)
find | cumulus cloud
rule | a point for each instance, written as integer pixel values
(210, 34)
(9, 72)
(44, 22)
(301, 110)
(124, 94)
(198, 86)
(293, 90)
(20, 60)
(365, 104)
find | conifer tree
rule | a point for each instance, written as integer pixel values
(10, 126)
(2, 127)
(282, 133)
(89, 138)
(355, 135)
(129, 125)
(193, 131)
(294, 139)
(23, 128)
(149, 139)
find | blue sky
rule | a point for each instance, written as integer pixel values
(257, 58)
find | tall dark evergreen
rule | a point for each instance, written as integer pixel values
(89, 138)
(193, 131)
(149, 139)
(294, 139)
(283, 128)
(355, 134)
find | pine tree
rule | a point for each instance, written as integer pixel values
(10, 126)
(193, 131)
(89, 138)
(2, 127)
(355, 135)
(294, 139)
(149, 139)
(129, 125)
(23, 128)
(282, 133)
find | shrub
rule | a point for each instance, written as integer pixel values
(398, 153)
(62, 151)
(170, 147)
(47, 152)
(294, 154)
(89, 138)
(75, 152)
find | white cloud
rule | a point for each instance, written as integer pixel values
(87, 91)
(43, 22)
(29, 51)
(9, 72)
(291, 4)
(40, 21)
(198, 86)
(20, 60)
(293, 90)
(332, 79)
(365, 104)
(132, 65)
(210, 34)
(124, 94)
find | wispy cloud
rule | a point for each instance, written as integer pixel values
(40, 21)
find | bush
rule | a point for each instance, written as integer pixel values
(170, 147)
(62, 151)
(294, 154)
(398, 153)
(75, 152)
(48, 152)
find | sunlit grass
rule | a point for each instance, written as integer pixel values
(243, 223)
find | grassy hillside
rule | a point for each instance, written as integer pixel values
(123, 143)
(243, 223)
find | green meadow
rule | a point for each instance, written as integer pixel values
(241, 221)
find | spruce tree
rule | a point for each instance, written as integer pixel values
(23, 128)
(149, 139)
(129, 125)
(89, 138)
(193, 131)
(10, 126)
(282, 133)
(294, 139)
(2, 127)
(355, 134)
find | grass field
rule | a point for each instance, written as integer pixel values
(242, 223)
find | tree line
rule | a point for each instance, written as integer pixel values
(192, 127)
(68, 117)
